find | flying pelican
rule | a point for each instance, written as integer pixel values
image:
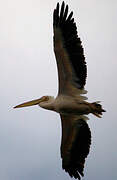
(70, 102)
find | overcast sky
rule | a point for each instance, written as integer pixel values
(30, 137)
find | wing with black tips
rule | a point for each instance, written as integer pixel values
(72, 70)
(75, 144)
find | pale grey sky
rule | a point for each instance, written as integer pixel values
(30, 137)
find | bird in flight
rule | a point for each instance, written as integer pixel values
(71, 102)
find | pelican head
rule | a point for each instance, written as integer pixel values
(34, 102)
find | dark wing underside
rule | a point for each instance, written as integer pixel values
(68, 50)
(75, 145)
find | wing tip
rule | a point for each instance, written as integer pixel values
(60, 14)
(74, 172)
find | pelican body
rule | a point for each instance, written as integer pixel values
(70, 102)
(66, 105)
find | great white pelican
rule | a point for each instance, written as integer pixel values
(70, 102)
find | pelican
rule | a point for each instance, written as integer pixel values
(70, 102)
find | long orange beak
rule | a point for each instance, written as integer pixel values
(29, 103)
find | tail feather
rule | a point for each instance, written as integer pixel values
(97, 109)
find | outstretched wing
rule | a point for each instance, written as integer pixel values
(68, 50)
(75, 145)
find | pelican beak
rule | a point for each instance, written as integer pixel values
(29, 103)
